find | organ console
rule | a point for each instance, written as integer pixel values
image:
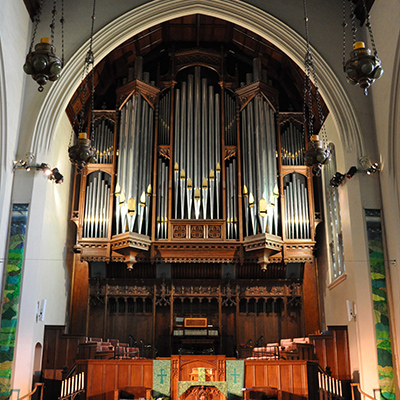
(196, 336)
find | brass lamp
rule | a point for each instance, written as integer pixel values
(316, 155)
(363, 68)
(82, 153)
(43, 64)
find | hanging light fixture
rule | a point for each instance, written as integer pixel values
(317, 154)
(83, 153)
(42, 63)
(364, 65)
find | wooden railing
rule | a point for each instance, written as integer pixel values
(357, 385)
(329, 388)
(34, 391)
(72, 386)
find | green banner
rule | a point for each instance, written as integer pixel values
(235, 378)
(161, 378)
(380, 303)
(11, 296)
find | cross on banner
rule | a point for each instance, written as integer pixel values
(235, 375)
(161, 378)
(162, 374)
(235, 378)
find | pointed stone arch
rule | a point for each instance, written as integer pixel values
(235, 11)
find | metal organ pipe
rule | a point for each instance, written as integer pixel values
(119, 170)
(296, 206)
(211, 148)
(197, 149)
(249, 135)
(292, 144)
(95, 220)
(177, 154)
(189, 147)
(182, 152)
(134, 162)
(148, 172)
(217, 153)
(260, 185)
(245, 155)
(203, 142)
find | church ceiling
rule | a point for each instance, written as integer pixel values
(194, 31)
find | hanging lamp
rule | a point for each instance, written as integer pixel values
(42, 62)
(317, 154)
(363, 67)
(83, 153)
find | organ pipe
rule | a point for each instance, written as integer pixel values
(195, 164)
(296, 206)
(260, 186)
(97, 197)
(104, 140)
(292, 143)
(134, 162)
(197, 148)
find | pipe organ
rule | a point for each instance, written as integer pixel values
(198, 174)
(200, 158)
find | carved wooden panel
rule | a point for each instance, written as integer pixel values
(103, 377)
(197, 229)
(292, 379)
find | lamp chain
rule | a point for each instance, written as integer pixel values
(368, 24)
(309, 70)
(53, 21)
(89, 61)
(92, 61)
(35, 25)
(62, 20)
(344, 26)
(353, 22)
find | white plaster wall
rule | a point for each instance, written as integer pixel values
(45, 274)
(362, 191)
(386, 99)
(13, 45)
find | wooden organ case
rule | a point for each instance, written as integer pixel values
(199, 206)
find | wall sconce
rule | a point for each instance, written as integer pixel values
(351, 310)
(53, 175)
(368, 166)
(339, 178)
